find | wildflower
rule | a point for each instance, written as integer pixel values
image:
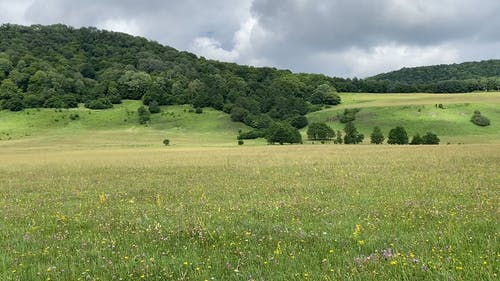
(278, 249)
(102, 198)
(361, 242)
(357, 230)
(394, 262)
(459, 268)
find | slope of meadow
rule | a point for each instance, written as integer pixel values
(418, 113)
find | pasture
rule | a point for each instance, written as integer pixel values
(315, 212)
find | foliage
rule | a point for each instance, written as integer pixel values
(349, 115)
(430, 138)
(241, 142)
(100, 103)
(166, 142)
(320, 131)
(397, 135)
(144, 115)
(339, 139)
(376, 136)
(154, 107)
(479, 119)
(282, 132)
(198, 110)
(252, 134)
(352, 136)
(48, 63)
(416, 140)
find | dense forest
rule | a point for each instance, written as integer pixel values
(453, 78)
(60, 67)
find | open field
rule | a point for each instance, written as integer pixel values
(251, 213)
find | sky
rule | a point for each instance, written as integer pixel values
(345, 38)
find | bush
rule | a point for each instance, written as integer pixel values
(154, 107)
(100, 103)
(166, 142)
(282, 132)
(144, 115)
(430, 138)
(349, 115)
(479, 119)
(298, 121)
(398, 135)
(241, 142)
(352, 136)
(377, 137)
(320, 131)
(74, 116)
(250, 135)
(198, 110)
(416, 140)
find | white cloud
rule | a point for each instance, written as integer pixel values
(121, 25)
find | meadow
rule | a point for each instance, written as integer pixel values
(316, 212)
(101, 198)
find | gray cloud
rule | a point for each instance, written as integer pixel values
(335, 37)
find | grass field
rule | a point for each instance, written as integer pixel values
(251, 213)
(101, 198)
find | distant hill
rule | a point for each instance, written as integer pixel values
(452, 78)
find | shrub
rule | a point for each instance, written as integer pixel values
(282, 132)
(398, 135)
(241, 142)
(352, 136)
(349, 115)
(430, 138)
(250, 135)
(298, 121)
(339, 139)
(166, 142)
(74, 116)
(416, 140)
(154, 107)
(320, 131)
(198, 110)
(479, 119)
(100, 103)
(377, 137)
(144, 115)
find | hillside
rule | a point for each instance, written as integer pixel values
(60, 67)
(452, 78)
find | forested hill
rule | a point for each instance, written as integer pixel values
(59, 67)
(464, 77)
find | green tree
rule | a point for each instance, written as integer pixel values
(154, 107)
(320, 131)
(144, 115)
(352, 136)
(398, 135)
(377, 137)
(338, 139)
(479, 119)
(430, 138)
(282, 132)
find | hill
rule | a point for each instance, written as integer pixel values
(452, 78)
(60, 67)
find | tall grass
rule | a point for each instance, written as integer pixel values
(251, 213)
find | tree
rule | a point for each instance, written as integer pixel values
(298, 121)
(144, 115)
(282, 132)
(325, 94)
(352, 136)
(398, 135)
(154, 107)
(339, 139)
(377, 137)
(320, 131)
(430, 138)
(416, 140)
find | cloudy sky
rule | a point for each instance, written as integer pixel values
(336, 37)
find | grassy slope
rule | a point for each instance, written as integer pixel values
(116, 127)
(418, 114)
(119, 126)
